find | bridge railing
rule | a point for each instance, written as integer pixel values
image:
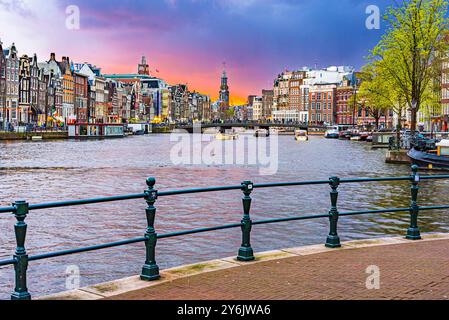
(150, 269)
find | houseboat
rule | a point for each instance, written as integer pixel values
(96, 130)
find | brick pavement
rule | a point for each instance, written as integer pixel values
(416, 270)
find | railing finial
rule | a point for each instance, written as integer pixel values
(151, 182)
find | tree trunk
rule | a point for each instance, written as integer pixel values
(413, 120)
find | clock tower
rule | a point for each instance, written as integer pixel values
(144, 68)
(224, 90)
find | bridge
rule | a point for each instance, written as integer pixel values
(150, 269)
(247, 125)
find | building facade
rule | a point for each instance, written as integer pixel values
(3, 122)
(12, 85)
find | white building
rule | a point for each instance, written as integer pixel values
(257, 109)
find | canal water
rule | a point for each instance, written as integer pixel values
(61, 170)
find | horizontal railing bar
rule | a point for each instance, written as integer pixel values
(86, 249)
(391, 210)
(198, 190)
(7, 262)
(201, 230)
(7, 209)
(355, 180)
(435, 177)
(434, 207)
(268, 221)
(318, 182)
(289, 184)
(85, 201)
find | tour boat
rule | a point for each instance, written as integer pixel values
(301, 135)
(432, 158)
(227, 136)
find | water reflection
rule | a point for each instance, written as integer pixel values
(61, 170)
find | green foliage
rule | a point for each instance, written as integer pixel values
(407, 61)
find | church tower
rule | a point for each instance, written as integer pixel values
(224, 90)
(144, 68)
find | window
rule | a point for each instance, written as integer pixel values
(318, 106)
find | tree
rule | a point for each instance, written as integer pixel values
(409, 55)
(378, 95)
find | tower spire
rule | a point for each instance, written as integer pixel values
(143, 67)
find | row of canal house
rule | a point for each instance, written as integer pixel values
(60, 93)
(319, 97)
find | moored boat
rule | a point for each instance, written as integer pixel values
(431, 159)
(301, 135)
(332, 133)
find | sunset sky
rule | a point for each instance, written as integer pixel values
(188, 40)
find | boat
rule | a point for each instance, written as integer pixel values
(428, 157)
(364, 136)
(226, 136)
(369, 138)
(332, 133)
(356, 137)
(139, 132)
(261, 133)
(301, 135)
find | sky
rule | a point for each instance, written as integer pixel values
(188, 41)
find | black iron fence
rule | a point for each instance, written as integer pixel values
(150, 270)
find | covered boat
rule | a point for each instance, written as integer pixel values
(431, 158)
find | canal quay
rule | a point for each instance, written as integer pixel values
(48, 171)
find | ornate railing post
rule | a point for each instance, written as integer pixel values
(150, 270)
(413, 232)
(20, 256)
(246, 253)
(333, 240)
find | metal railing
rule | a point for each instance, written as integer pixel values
(150, 270)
